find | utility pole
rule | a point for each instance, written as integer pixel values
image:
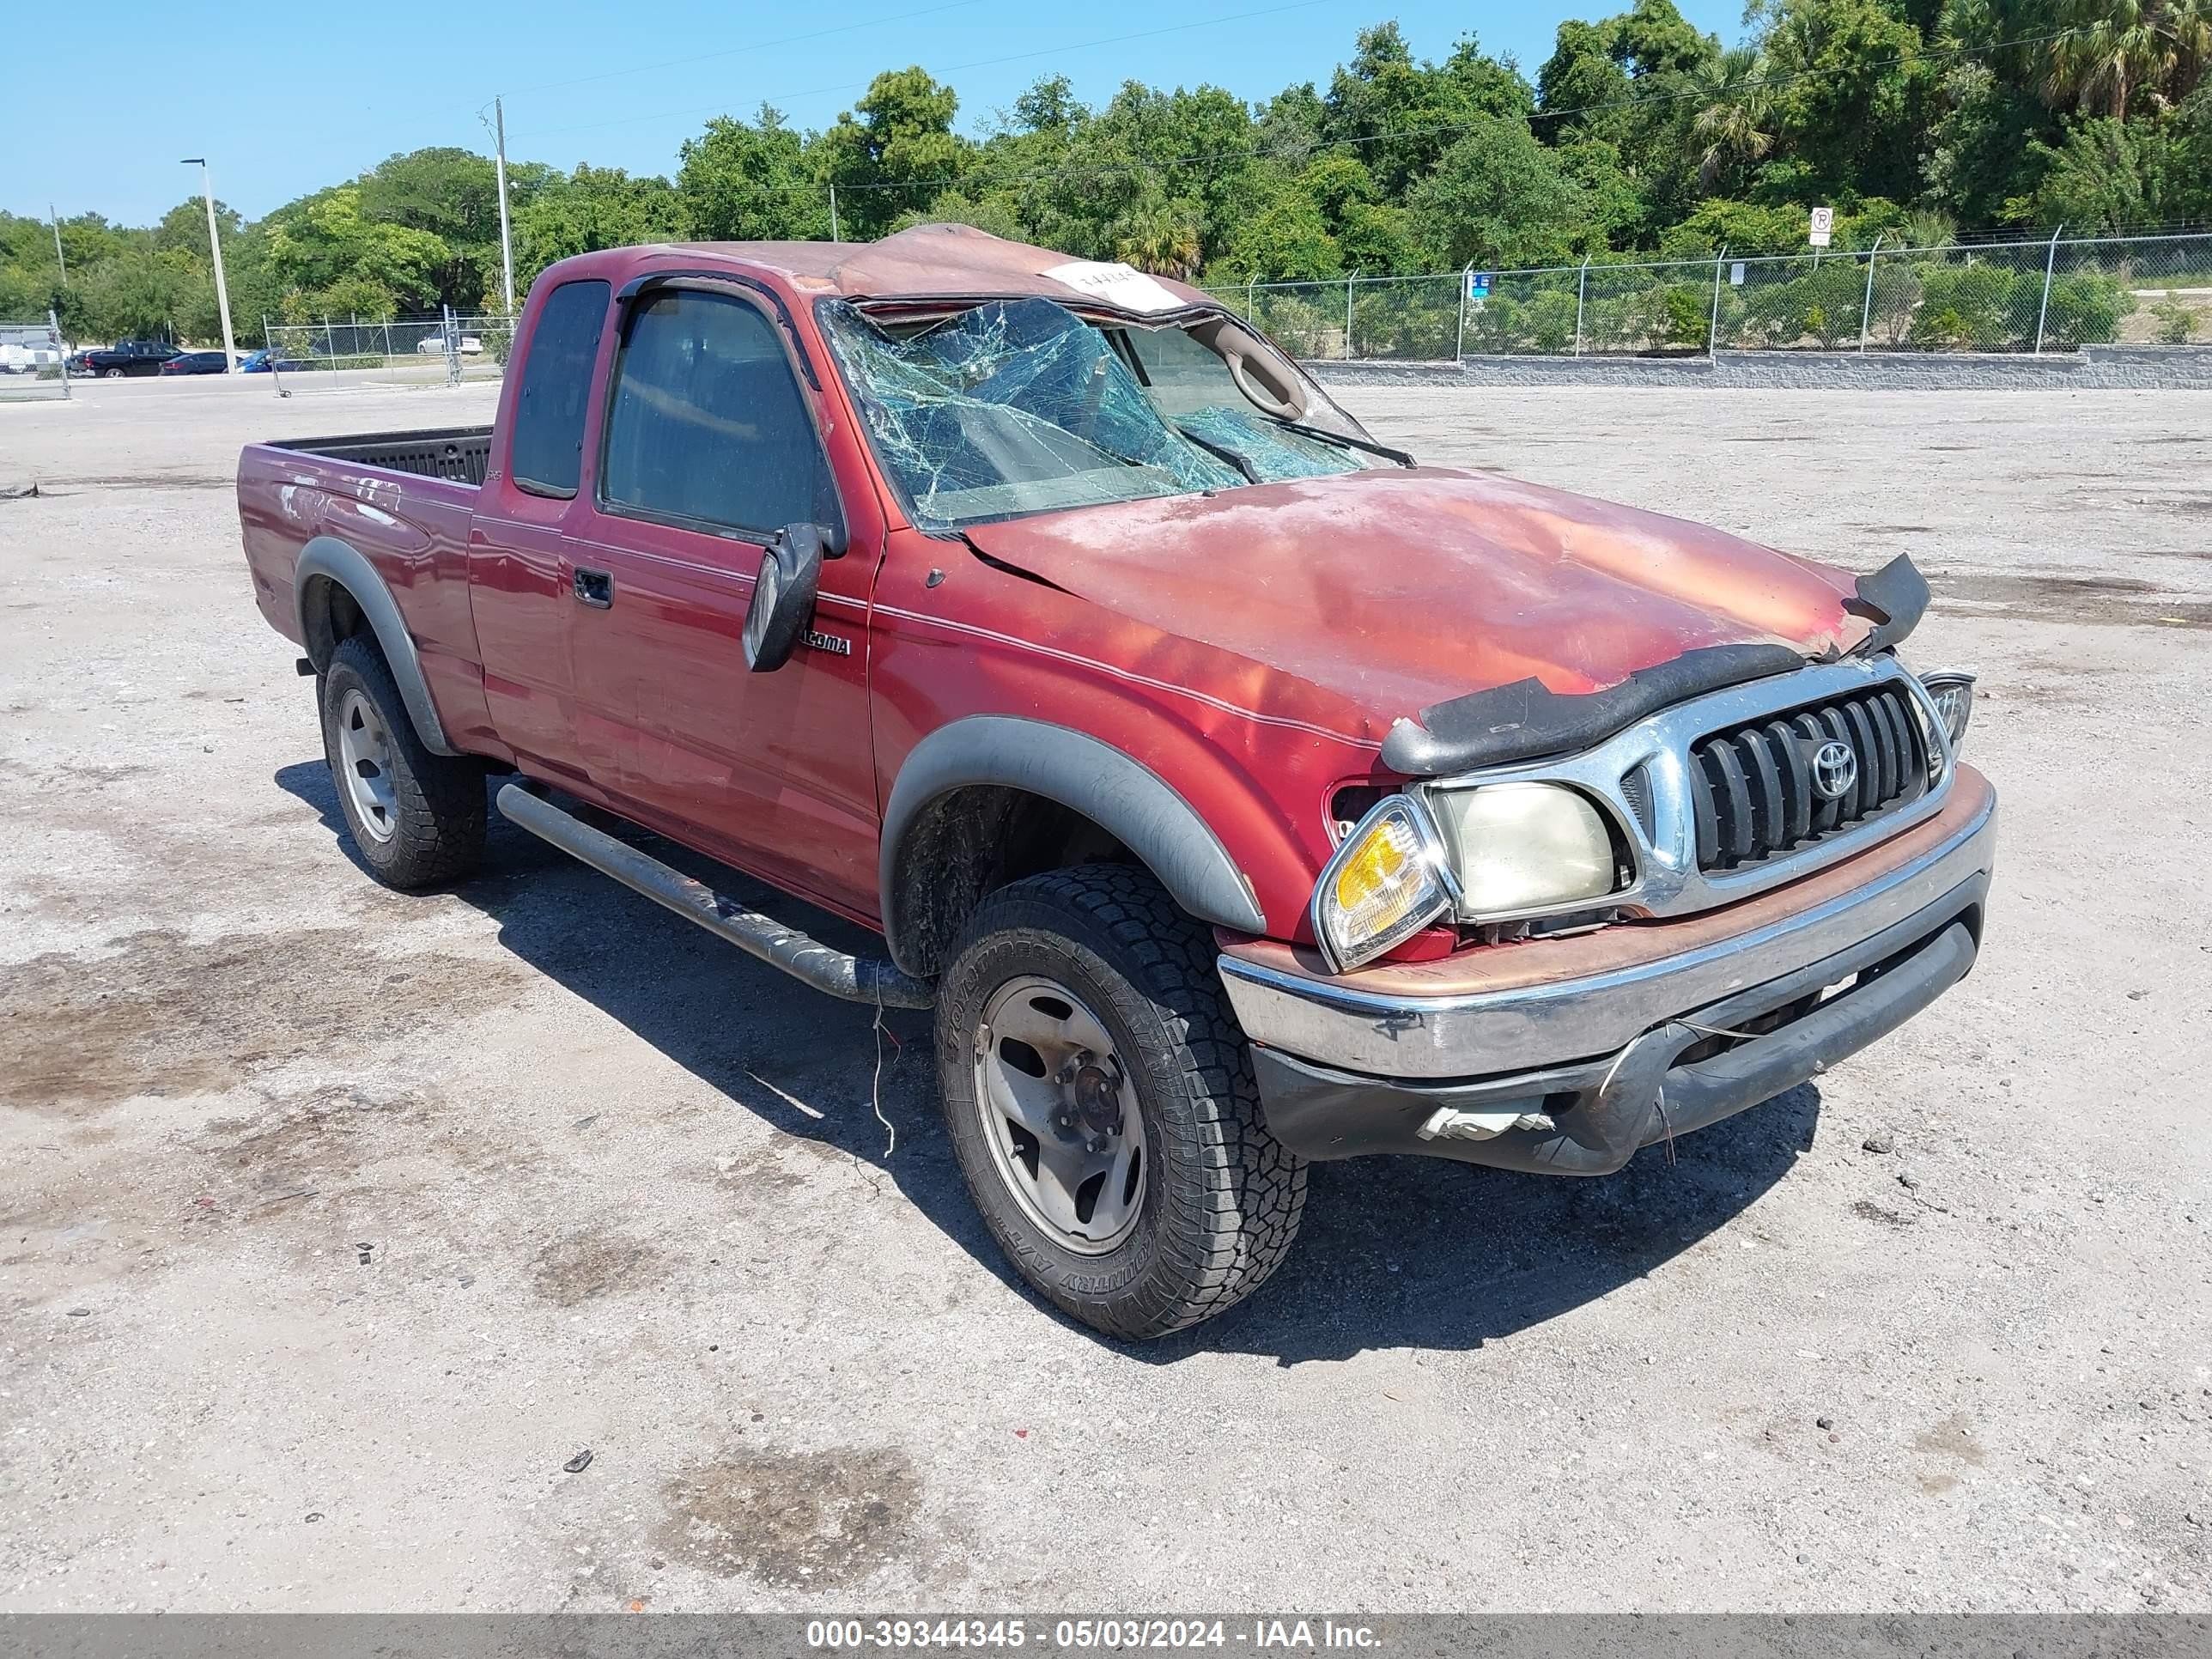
(214, 246)
(506, 237)
(60, 258)
(834, 236)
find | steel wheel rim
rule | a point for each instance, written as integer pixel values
(1046, 1076)
(364, 766)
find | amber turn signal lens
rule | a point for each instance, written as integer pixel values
(1383, 885)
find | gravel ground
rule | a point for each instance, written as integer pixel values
(334, 1223)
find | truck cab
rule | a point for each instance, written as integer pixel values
(127, 358)
(1235, 790)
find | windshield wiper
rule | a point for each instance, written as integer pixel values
(1347, 442)
(1223, 453)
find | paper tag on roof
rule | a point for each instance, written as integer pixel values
(1116, 284)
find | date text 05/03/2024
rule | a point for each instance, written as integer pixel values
(1124, 1634)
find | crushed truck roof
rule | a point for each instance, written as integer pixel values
(946, 261)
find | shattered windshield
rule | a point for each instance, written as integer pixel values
(1021, 406)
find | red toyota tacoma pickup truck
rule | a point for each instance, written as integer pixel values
(1238, 792)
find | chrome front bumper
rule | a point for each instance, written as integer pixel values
(1555, 1023)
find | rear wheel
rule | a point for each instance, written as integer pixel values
(416, 818)
(1100, 1103)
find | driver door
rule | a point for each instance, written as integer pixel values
(709, 449)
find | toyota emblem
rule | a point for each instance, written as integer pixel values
(1835, 769)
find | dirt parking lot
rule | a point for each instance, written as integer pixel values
(334, 1223)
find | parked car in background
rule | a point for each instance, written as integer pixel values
(1238, 791)
(132, 357)
(194, 362)
(265, 361)
(434, 346)
(16, 358)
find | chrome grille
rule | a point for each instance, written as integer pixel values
(1752, 788)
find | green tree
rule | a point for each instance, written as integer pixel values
(1048, 104)
(742, 183)
(892, 151)
(1207, 137)
(1620, 207)
(1732, 107)
(1583, 87)
(1401, 116)
(1854, 96)
(2105, 175)
(1629, 83)
(1288, 241)
(136, 294)
(993, 213)
(329, 256)
(2120, 50)
(1499, 198)
(594, 208)
(452, 194)
(1159, 233)
(1978, 164)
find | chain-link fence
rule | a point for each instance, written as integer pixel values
(34, 360)
(2049, 295)
(337, 354)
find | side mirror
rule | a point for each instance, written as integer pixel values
(783, 597)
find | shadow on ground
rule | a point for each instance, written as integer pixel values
(1394, 1252)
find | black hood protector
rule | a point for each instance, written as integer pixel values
(1527, 721)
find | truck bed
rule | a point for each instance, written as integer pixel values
(455, 454)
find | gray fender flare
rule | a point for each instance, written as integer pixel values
(328, 556)
(1121, 795)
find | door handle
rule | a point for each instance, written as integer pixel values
(595, 588)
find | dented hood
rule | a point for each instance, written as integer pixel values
(1402, 589)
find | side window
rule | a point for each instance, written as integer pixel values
(556, 385)
(709, 423)
(1182, 374)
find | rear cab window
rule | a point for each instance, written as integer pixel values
(547, 456)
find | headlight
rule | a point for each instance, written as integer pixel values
(1386, 883)
(1953, 696)
(1518, 847)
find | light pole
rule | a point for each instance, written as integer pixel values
(214, 246)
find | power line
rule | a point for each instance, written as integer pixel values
(1162, 164)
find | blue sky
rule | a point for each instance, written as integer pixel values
(619, 86)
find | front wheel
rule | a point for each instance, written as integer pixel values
(1100, 1103)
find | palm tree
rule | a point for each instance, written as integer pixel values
(2114, 48)
(1927, 227)
(1731, 103)
(1158, 233)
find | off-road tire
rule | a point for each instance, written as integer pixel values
(1223, 1197)
(438, 829)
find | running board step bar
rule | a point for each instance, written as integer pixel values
(856, 979)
